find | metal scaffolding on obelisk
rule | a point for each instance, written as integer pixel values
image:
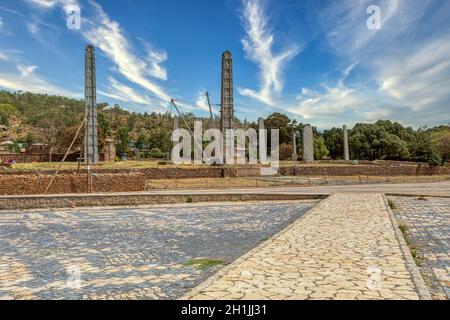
(91, 132)
(227, 98)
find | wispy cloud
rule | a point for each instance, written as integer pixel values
(124, 93)
(323, 105)
(154, 59)
(259, 47)
(107, 35)
(202, 102)
(419, 80)
(49, 4)
(405, 64)
(4, 56)
(44, 3)
(26, 79)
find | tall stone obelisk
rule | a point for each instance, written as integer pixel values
(308, 144)
(294, 146)
(227, 99)
(91, 132)
(346, 151)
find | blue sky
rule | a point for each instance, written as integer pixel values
(315, 60)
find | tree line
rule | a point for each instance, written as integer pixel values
(53, 120)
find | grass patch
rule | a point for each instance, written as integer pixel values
(204, 263)
(264, 239)
(189, 200)
(392, 204)
(414, 252)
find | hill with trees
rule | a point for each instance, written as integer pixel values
(53, 120)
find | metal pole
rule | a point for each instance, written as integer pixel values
(210, 110)
(88, 166)
(172, 101)
(64, 158)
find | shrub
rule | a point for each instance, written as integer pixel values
(156, 153)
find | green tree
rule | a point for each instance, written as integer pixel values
(156, 153)
(334, 141)
(6, 112)
(320, 149)
(281, 122)
(123, 138)
(442, 142)
(424, 149)
(372, 142)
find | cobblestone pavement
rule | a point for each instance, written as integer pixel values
(345, 248)
(430, 189)
(129, 253)
(428, 223)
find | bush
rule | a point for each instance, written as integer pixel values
(286, 151)
(156, 153)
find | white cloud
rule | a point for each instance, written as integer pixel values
(421, 79)
(4, 56)
(154, 59)
(1, 23)
(26, 79)
(344, 23)
(406, 63)
(330, 101)
(49, 4)
(124, 93)
(107, 35)
(202, 102)
(44, 3)
(32, 28)
(258, 45)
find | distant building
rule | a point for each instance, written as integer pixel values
(38, 148)
(110, 150)
(4, 146)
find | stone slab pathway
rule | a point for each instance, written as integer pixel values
(131, 252)
(344, 248)
(428, 228)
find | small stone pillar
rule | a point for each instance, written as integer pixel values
(137, 154)
(260, 123)
(308, 144)
(262, 140)
(176, 123)
(346, 151)
(294, 146)
(110, 150)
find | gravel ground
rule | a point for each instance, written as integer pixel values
(428, 229)
(130, 253)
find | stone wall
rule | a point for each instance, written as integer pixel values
(71, 183)
(168, 172)
(365, 170)
(135, 199)
(124, 180)
(35, 157)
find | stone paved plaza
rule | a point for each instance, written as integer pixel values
(129, 253)
(428, 223)
(344, 248)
